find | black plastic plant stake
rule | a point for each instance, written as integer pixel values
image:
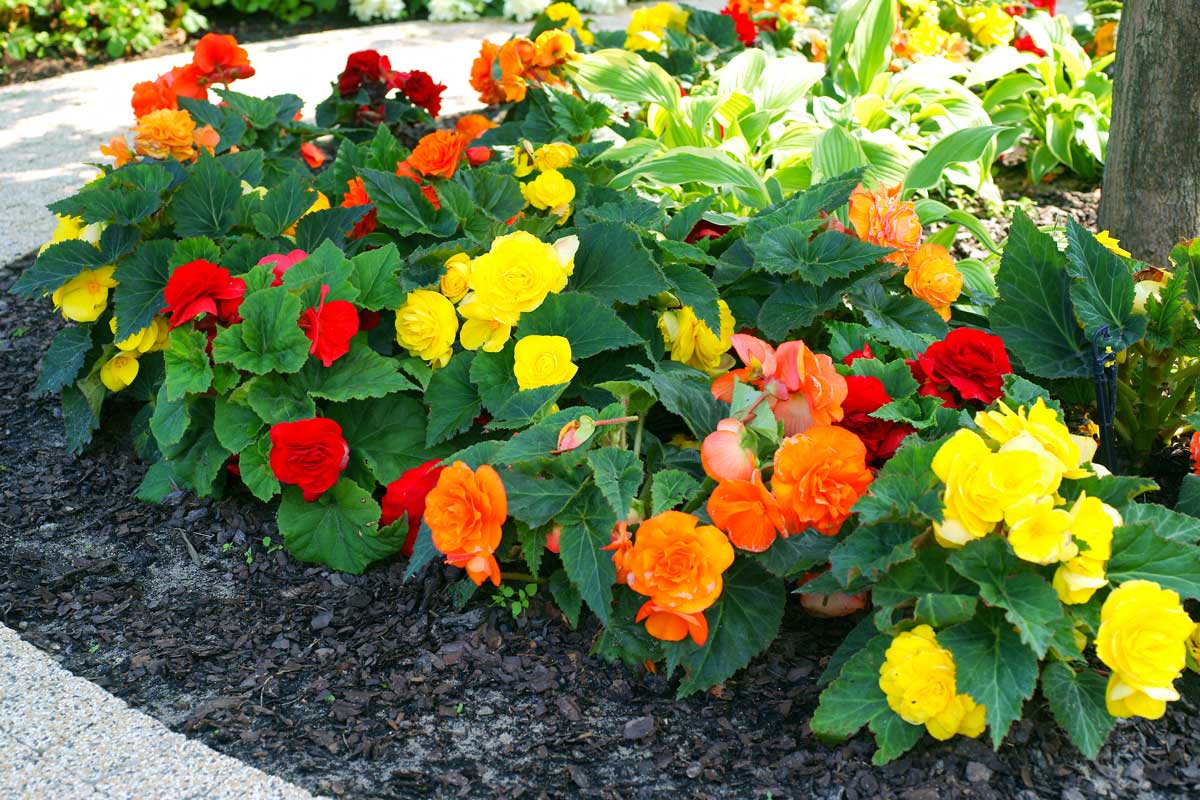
(1104, 377)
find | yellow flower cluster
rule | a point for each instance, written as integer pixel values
(491, 292)
(918, 678)
(572, 22)
(1143, 638)
(927, 38)
(550, 190)
(692, 342)
(122, 368)
(1017, 485)
(648, 27)
(990, 25)
(84, 297)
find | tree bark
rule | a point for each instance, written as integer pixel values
(1151, 195)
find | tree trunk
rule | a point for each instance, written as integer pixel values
(1151, 196)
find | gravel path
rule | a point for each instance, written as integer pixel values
(65, 738)
(51, 129)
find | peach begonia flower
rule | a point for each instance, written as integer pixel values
(724, 454)
(883, 219)
(803, 388)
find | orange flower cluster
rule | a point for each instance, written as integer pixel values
(503, 73)
(162, 134)
(465, 513)
(439, 154)
(216, 59)
(818, 476)
(677, 563)
(883, 218)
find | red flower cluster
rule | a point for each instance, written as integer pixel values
(881, 437)
(201, 287)
(330, 327)
(281, 263)
(742, 24)
(310, 453)
(406, 495)
(370, 71)
(355, 196)
(1025, 42)
(968, 365)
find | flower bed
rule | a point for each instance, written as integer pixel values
(670, 342)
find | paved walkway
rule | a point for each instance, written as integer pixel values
(51, 129)
(63, 738)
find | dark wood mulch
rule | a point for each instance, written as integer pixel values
(367, 687)
(246, 27)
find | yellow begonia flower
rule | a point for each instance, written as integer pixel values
(150, 339)
(692, 342)
(1092, 525)
(557, 155)
(84, 297)
(119, 371)
(1143, 639)
(918, 679)
(1105, 238)
(426, 326)
(455, 280)
(1043, 537)
(550, 191)
(320, 204)
(69, 227)
(522, 161)
(648, 26)
(543, 361)
(516, 274)
(928, 38)
(572, 21)
(481, 326)
(990, 25)
(1044, 425)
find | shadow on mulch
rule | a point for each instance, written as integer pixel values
(366, 687)
(245, 27)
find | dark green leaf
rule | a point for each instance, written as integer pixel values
(340, 529)
(669, 488)
(63, 360)
(613, 266)
(590, 327)
(993, 666)
(1077, 701)
(618, 475)
(587, 528)
(56, 265)
(1103, 289)
(1139, 553)
(206, 204)
(453, 400)
(268, 339)
(186, 360)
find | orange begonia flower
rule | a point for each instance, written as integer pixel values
(814, 389)
(472, 126)
(218, 59)
(482, 80)
(465, 513)
(819, 475)
(677, 563)
(620, 546)
(437, 153)
(724, 455)
(118, 148)
(206, 138)
(515, 55)
(166, 133)
(883, 219)
(747, 512)
(152, 96)
(933, 277)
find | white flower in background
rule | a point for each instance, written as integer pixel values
(453, 10)
(367, 10)
(599, 6)
(522, 10)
